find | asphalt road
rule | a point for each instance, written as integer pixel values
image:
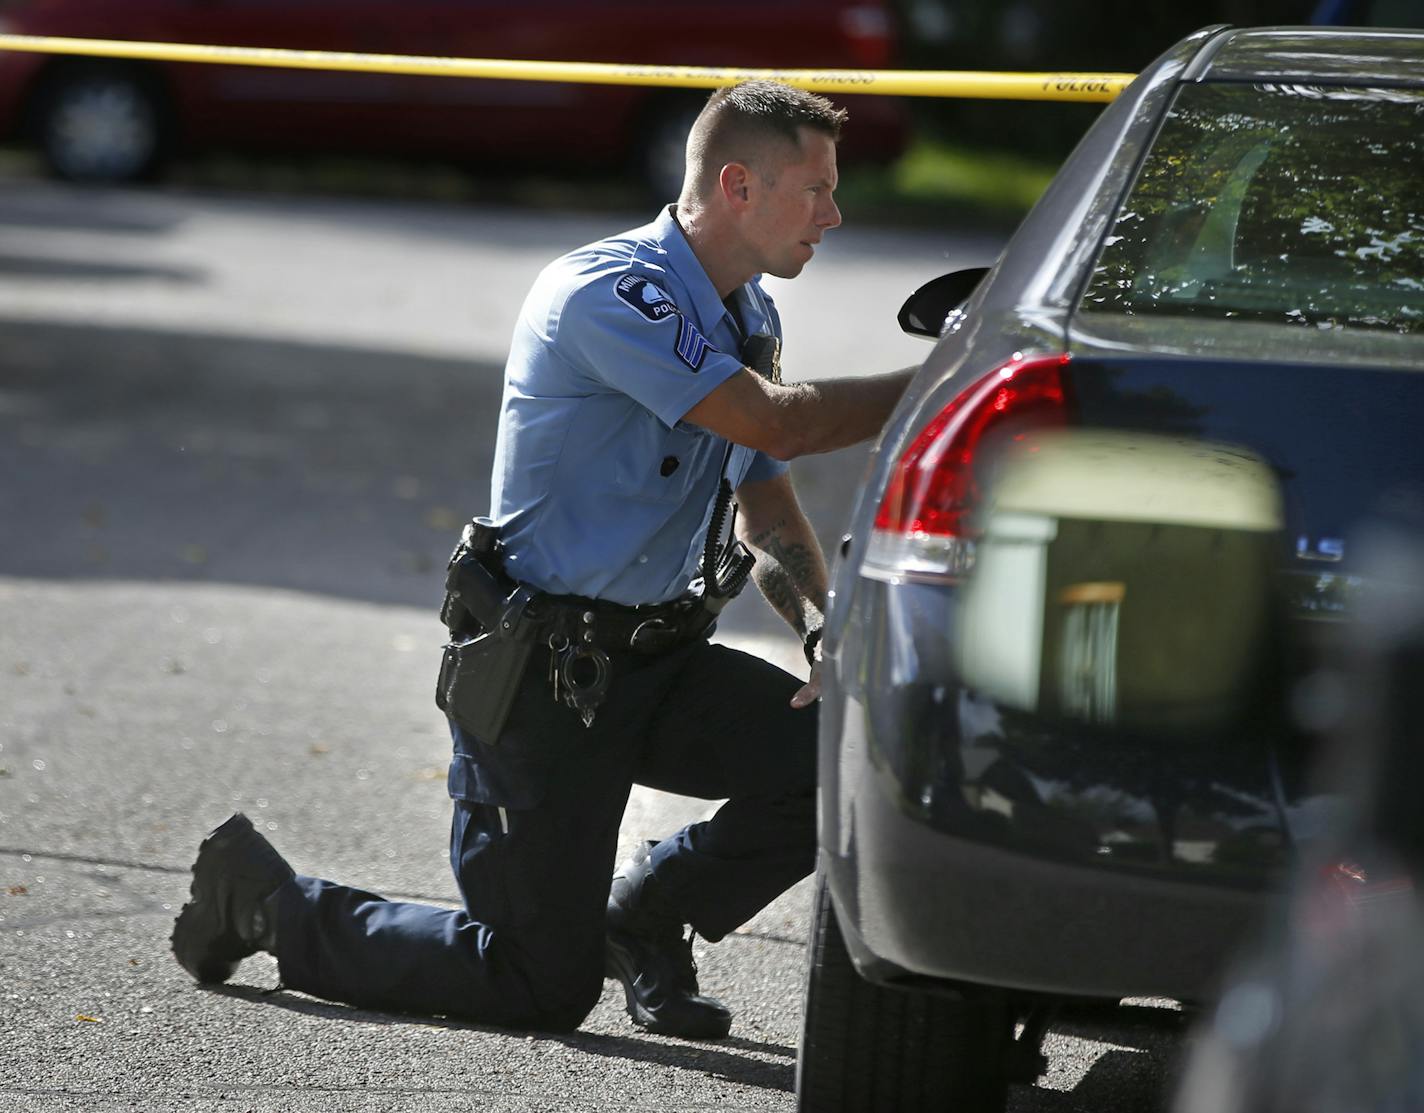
(237, 438)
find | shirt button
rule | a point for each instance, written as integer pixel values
(643, 559)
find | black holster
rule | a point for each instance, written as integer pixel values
(491, 639)
(479, 678)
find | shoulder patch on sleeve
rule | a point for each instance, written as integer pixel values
(691, 346)
(646, 297)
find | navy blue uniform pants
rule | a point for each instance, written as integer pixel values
(534, 838)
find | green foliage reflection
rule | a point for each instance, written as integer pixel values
(1290, 204)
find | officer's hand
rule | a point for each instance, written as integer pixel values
(810, 691)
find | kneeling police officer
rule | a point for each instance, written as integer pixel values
(642, 397)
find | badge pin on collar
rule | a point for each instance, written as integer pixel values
(762, 353)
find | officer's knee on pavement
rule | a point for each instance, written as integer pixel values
(567, 1011)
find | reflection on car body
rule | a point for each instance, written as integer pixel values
(1219, 225)
(1078, 655)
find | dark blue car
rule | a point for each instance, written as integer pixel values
(1084, 634)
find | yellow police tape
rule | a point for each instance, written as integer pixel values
(904, 83)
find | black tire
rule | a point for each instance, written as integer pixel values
(867, 1048)
(101, 122)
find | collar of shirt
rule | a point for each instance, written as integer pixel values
(707, 306)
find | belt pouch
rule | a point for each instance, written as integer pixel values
(479, 678)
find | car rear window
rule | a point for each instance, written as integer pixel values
(1292, 204)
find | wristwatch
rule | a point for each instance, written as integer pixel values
(813, 639)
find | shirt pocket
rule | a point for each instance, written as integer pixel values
(663, 465)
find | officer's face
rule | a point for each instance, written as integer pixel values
(795, 208)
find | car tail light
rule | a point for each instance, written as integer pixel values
(867, 30)
(922, 529)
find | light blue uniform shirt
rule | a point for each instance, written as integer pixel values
(599, 487)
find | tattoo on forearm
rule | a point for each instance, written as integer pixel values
(791, 580)
(760, 538)
(780, 592)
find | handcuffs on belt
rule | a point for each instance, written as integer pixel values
(579, 670)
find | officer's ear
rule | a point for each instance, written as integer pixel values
(736, 184)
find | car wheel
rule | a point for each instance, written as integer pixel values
(101, 123)
(662, 152)
(866, 1047)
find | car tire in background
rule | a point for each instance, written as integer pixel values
(101, 122)
(867, 1047)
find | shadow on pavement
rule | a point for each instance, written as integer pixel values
(36, 266)
(1138, 1026)
(707, 1058)
(1117, 1080)
(140, 454)
(1136, 1072)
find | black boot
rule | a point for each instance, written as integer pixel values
(233, 912)
(647, 952)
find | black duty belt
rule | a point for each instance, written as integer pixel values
(480, 597)
(483, 604)
(616, 628)
(495, 625)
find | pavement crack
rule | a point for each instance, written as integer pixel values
(182, 871)
(88, 860)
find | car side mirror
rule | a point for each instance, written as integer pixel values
(924, 311)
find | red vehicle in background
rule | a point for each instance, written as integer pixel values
(103, 120)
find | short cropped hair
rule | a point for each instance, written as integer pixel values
(740, 122)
